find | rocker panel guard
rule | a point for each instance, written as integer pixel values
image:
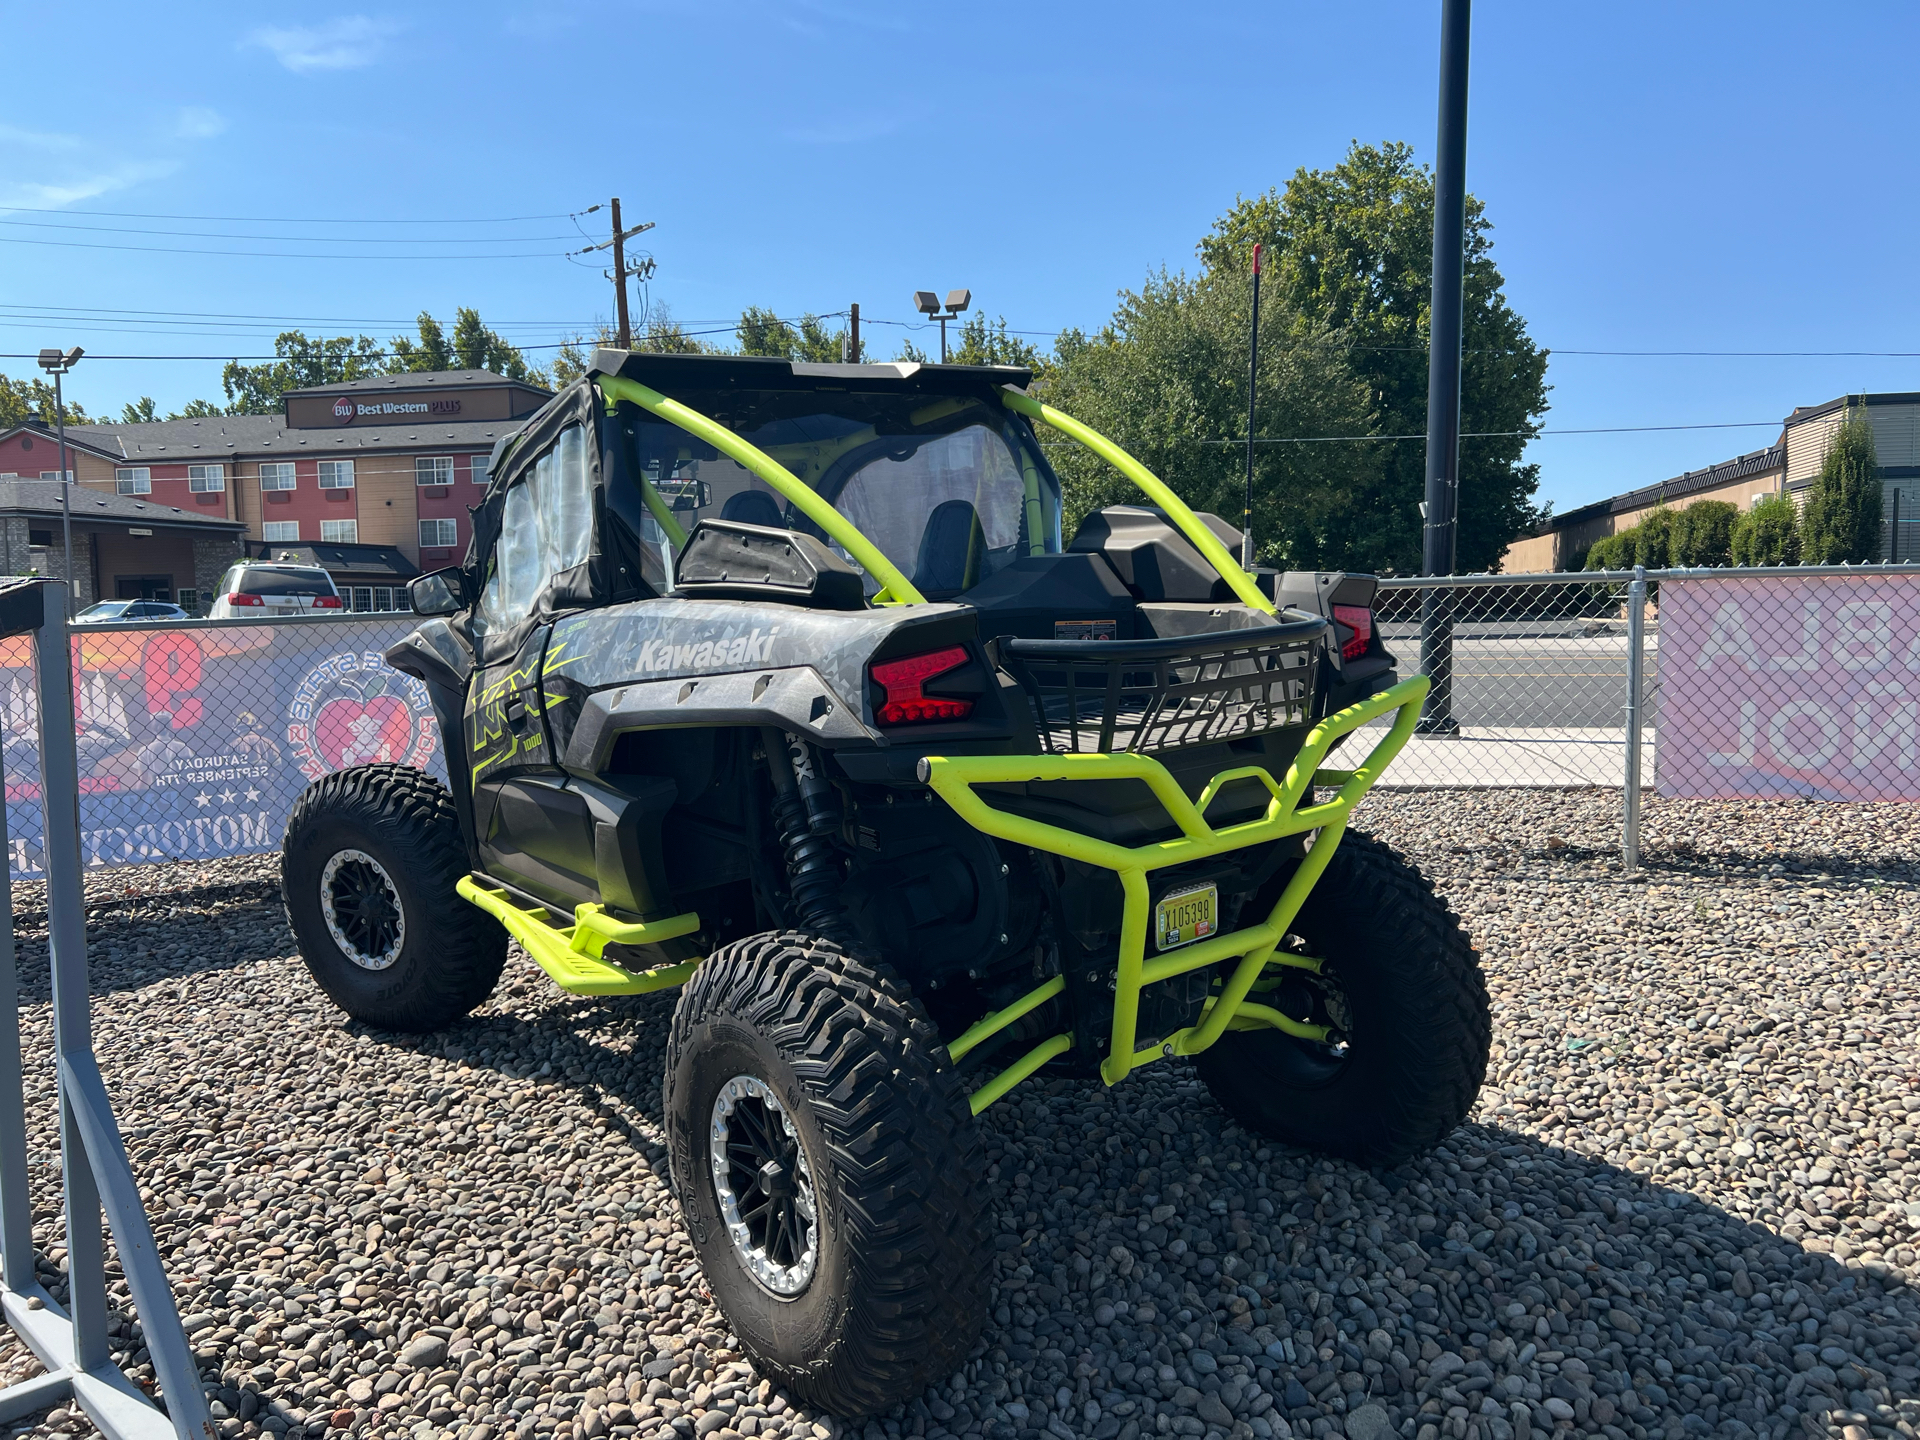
(953, 779)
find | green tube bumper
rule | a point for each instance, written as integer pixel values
(1255, 948)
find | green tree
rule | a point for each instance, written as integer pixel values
(195, 410)
(571, 359)
(984, 342)
(1611, 552)
(1703, 533)
(1768, 534)
(1653, 538)
(429, 352)
(304, 360)
(1841, 525)
(761, 332)
(1351, 250)
(661, 334)
(475, 347)
(1164, 379)
(32, 399)
(139, 411)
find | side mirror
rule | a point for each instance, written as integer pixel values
(440, 592)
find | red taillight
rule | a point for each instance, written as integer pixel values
(1358, 619)
(906, 702)
(238, 599)
(326, 602)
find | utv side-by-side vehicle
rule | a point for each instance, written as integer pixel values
(780, 683)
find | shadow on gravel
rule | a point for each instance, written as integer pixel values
(148, 935)
(603, 1048)
(1494, 1288)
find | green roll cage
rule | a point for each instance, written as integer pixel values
(574, 954)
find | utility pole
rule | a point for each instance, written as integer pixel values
(621, 272)
(1440, 537)
(853, 342)
(1253, 379)
(620, 278)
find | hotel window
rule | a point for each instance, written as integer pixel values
(206, 479)
(55, 475)
(340, 532)
(480, 469)
(281, 532)
(277, 476)
(187, 598)
(128, 480)
(336, 475)
(438, 533)
(433, 470)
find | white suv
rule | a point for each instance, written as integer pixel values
(261, 590)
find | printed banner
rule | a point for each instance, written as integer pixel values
(1790, 687)
(195, 742)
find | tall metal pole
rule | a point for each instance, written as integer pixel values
(66, 492)
(853, 325)
(620, 278)
(1440, 535)
(1253, 380)
(943, 339)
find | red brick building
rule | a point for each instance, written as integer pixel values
(371, 478)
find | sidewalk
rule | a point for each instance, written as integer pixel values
(1517, 756)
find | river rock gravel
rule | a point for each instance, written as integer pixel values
(1687, 1202)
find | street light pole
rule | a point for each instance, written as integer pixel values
(66, 489)
(1440, 538)
(56, 364)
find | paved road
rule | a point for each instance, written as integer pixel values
(1530, 681)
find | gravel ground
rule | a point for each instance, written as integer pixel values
(1686, 1204)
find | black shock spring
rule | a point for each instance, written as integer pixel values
(806, 813)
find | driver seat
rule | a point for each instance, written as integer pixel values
(952, 548)
(754, 507)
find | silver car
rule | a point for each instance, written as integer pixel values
(265, 590)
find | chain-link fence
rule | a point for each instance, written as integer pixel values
(1752, 682)
(195, 738)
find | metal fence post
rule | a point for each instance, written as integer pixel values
(1636, 701)
(72, 1343)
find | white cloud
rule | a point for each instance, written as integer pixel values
(71, 189)
(197, 122)
(37, 139)
(343, 44)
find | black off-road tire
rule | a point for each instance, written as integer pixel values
(444, 956)
(896, 1293)
(1419, 1026)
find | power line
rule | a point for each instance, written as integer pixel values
(267, 254)
(1501, 434)
(322, 239)
(277, 220)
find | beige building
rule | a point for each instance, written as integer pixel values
(1789, 464)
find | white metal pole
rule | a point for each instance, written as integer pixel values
(1636, 693)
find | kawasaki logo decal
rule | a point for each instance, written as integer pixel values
(752, 649)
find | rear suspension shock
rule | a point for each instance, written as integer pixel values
(806, 812)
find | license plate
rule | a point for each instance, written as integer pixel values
(1186, 916)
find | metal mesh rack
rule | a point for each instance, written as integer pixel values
(1135, 696)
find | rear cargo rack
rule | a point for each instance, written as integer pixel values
(1134, 696)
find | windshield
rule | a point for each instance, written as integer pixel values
(256, 581)
(950, 489)
(105, 610)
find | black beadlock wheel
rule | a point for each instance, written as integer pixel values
(367, 873)
(829, 1171)
(1406, 1004)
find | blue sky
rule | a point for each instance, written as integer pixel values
(1707, 177)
